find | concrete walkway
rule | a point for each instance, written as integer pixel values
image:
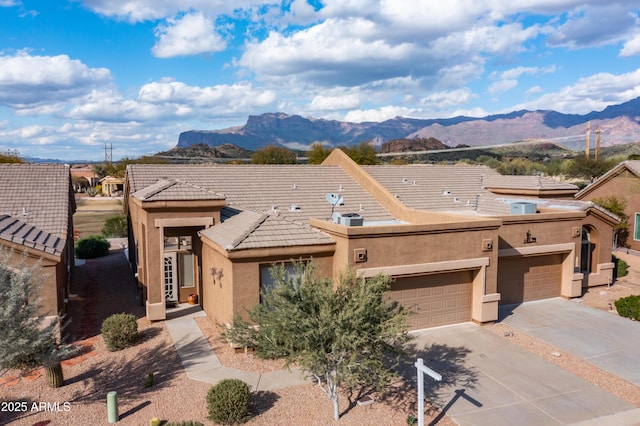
(201, 363)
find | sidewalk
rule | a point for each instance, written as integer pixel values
(201, 363)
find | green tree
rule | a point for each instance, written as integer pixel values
(115, 227)
(348, 338)
(588, 168)
(616, 206)
(363, 153)
(317, 154)
(27, 340)
(273, 154)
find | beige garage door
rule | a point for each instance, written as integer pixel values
(434, 300)
(524, 279)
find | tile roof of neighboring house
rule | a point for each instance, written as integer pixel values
(262, 187)
(246, 229)
(35, 198)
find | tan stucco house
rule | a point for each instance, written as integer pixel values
(455, 248)
(622, 182)
(36, 226)
(112, 186)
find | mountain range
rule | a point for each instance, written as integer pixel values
(617, 124)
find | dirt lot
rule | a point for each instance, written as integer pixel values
(91, 213)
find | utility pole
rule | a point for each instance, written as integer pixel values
(108, 154)
(588, 147)
(597, 143)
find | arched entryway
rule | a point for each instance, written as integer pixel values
(588, 254)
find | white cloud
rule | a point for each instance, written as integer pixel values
(502, 86)
(9, 3)
(27, 80)
(592, 93)
(189, 35)
(379, 114)
(445, 100)
(339, 102)
(631, 47)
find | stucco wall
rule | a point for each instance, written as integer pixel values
(625, 186)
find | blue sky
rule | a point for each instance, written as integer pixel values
(76, 74)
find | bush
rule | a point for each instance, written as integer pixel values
(115, 227)
(228, 402)
(92, 246)
(119, 331)
(621, 268)
(184, 423)
(629, 307)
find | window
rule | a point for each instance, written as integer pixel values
(266, 280)
(186, 269)
(636, 227)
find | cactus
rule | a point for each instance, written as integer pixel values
(55, 378)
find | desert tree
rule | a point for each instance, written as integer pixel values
(349, 338)
(273, 154)
(363, 153)
(27, 338)
(317, 154)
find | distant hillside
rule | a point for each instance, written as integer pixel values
(619, 124)
(204, 151)
(406, 145)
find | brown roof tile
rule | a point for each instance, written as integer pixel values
(35, 203)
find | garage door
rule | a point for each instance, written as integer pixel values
(434, 300)
(523, 279)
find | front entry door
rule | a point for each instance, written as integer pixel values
(170, 277)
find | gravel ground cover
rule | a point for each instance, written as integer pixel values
(174, 396)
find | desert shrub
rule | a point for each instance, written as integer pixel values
(629, 307)
(115, 227)
(228, 402)
(184, 423)
(119, 331)
(92, 246)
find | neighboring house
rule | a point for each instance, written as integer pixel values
(36, 224)
(622, 182)
(112, 186)
(79, 174)
(455, 249)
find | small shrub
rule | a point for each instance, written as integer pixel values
(92, 246)
(621, 268)
(629, 307)
(228, 402)
(184, 423)
(115, 227)
(119, 331)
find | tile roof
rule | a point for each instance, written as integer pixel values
(174, 190)
(35, 201)
(260, 188)
(19, 232)
(442, 188)
(246, 229)
(461, 188)
(536, 183)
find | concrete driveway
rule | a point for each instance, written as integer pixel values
(510, 385)
(601, 338)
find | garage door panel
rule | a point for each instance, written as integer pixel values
(525, 279)
(436, 299)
